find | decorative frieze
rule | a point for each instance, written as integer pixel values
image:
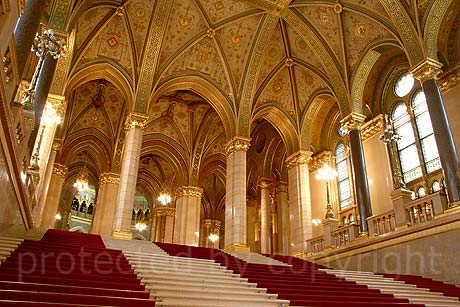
(164, 211)
(135, 120)
(427, 69)
(449, 79)
(189, 192)
(298, 158)
(353, 121)
(317, 161)
(373, 127)
(60, 170)
(111, 178)
(237, 144)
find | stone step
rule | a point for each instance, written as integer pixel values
(191, 279)
(221, 293)
(11, 240)
(179, 270)
(211, 287)
(169, 283)
(173, 262)
(160, 257)
(195, 276)
(12, 245)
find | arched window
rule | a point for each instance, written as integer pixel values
(343, 180)
(417, 149)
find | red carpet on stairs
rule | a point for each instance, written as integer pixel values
(302, 283)
(69, 269)
(428, 283)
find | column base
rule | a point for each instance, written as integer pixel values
(122, 234)
(240, 248)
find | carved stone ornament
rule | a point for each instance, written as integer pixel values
(373, 127)
(298, 158)
(135, 120)
(60, 170)
(237, 144)
(319, 160)
(57, 145)
(353, 121)
(426, 70)
(450, 79)
(189, 192)
(281, 187)
(264, 183)
(105, 178)
(164, 211)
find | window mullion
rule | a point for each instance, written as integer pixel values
(417, 142)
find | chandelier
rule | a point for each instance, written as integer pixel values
(213, 237)
(326, 173)
(141, 226)
(82, 180)
(164, 198)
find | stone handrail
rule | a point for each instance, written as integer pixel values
(382, 223)
(344, 235)
(315, 245)
(426, 208)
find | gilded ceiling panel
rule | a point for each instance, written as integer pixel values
(93, 118)
(166, 126)
(375, 6)
(307, 84)
(319, 121)
(88, 22)
(202, 57)
(273, 55)
(300, 49)
(236, 39)
(182, 119)
(139, 12)
(278, 91)
(359, 32)
(112, 43)
(221, 9)
(199, 111)
(326, 22)
(185, 22)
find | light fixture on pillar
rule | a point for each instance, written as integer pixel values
(82, 180)
(390, 137)
(141, 226)
(164, 198)
(58, 217)
(326, 173)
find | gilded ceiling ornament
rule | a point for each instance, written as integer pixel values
(289, 62)
(184, 21)
(281, 187)
(237, 144)
(353, 121)
(338, 8)
(106, 178)
(135, 120)
(60, 170)
(189, 192)
(211, 33)
(426, 70)
(373, 127)
(218, 5)
(57, 144)
(450, 79)
(298, 158)
(120, 11)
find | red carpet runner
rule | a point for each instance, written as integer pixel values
(69, 269)
(302, 283)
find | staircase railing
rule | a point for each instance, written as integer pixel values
(382, 223)
(315, 245)
(344, 235)
(426, 208)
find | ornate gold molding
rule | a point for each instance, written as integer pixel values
(60, 170)
(449, 79)
(426, 70)
(372, 127)
(57, 145)
(106, 178)
(317, 161)
(135, 120)
(238, 143)
(353, 121)
(298, 158)
(164, 211)
(213, 224)
(189, 192)
(264, 183)
(281, 187)
(58, 102)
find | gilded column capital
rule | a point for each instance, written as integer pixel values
(57, 145)
(264, 183)
(317, 161)
(353, 121)
(281, 187)
(189, 192)
(373, 127)
(213, 224)
(427, 69)
(298, 158)
(135, 120)
(105, 178)
(450, 79)
(60, 170)
(164, 211)
(238, 143)
(58, 102)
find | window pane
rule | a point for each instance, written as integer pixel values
(423, 122)
(399, 110)
(344, 189)
(419, 100)
(404, 85)
(342, 170)
(429, 149)
(433, 165)
(412, 174)
(407, 135)
(409, 158)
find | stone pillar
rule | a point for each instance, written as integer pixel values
(284, 227)
(253, 225)
(210, 227)
(299, 201)
(329, 225)
(128, 176)
(427, 73)
(187, 221)
(26, 29)
(162, 229)
(53, 198)
(266, 239)
(353, 124)
(106, 204)
(45, 78)
(235, 197)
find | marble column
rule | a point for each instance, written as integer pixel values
(299, 201)
(53, 198)
(45, 78)
(187, 221)
(25, 30)
(353, 123)
(162, 229)
(128, 176)
(235, 197)
(210, 227)
(284, 227)
(266, 239)
(105, 204)
(427, 73)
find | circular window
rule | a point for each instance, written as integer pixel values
(404, 84)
